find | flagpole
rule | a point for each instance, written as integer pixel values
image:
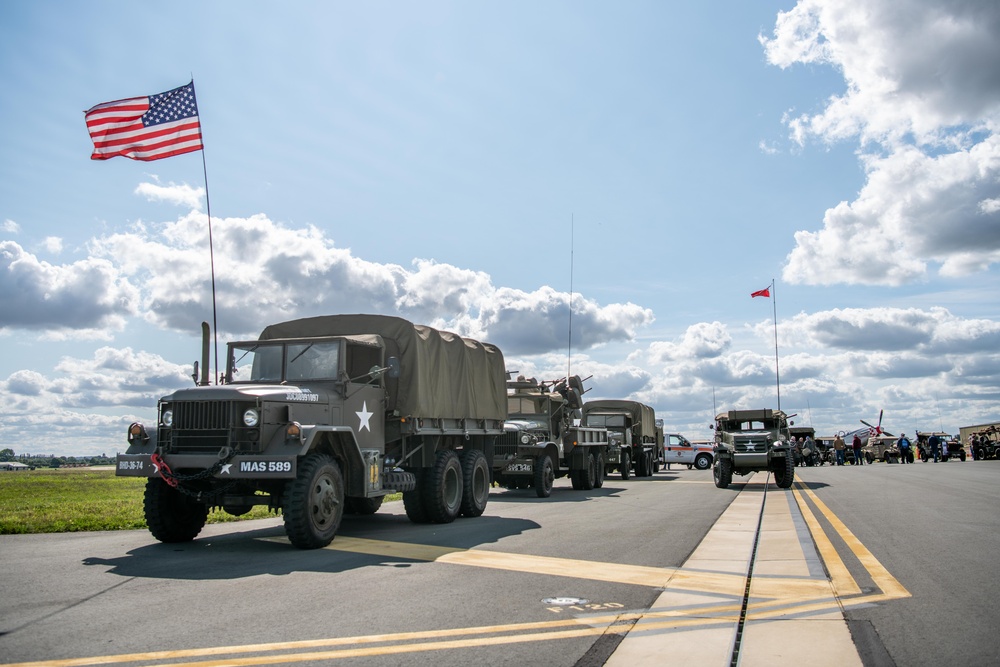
(211, 252)
(569, 345)
(777, 376)
(211, 255)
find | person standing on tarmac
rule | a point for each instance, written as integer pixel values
(905, 455)
(856, 445)
(838, 448)
(810, 452)
(935, 444)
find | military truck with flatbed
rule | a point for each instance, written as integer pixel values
(544, 441)
(324, 415)
(635, 437)
(748, 441)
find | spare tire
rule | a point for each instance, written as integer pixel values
(574, 399)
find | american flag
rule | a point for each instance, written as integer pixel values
(146, 128)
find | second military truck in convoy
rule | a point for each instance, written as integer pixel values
(749, 441)
(635, 438)
(324, 415)
(543, 438)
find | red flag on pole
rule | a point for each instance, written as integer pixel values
(146, 128)
(764, 292)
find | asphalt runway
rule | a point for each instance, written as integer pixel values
(574, 579)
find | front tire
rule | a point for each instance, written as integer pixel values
(545, 476)
(314, 503)
(723, 473)
(475, 483)
(625, 465)
(784, 476)
(170, 515)
(703, 462)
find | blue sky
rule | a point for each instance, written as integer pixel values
(465, 164)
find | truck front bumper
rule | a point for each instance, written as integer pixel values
(237, 467)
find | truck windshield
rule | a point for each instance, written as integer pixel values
(609, 421)
(278, 362)
(523, 406)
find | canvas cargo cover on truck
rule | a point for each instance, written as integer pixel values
(642, 414)
(442, 375)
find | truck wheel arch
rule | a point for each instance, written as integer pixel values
(342, 446)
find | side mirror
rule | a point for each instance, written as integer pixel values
(394, 369)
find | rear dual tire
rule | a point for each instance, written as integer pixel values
(453, 486)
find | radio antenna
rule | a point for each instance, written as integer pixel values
(569, 348)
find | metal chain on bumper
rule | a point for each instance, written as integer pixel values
(175, 479)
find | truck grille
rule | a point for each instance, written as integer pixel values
(506, 444)
(205, 427)
(203, 415)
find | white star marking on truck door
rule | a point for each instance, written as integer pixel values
(364, 416)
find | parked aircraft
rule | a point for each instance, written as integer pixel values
(865, 433)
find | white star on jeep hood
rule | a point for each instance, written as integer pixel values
(364, 416)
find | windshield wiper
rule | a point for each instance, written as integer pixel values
(306, 349)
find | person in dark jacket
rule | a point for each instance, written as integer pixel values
(935, 443)
(856, 446)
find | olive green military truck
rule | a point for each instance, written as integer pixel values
(543, 439)
(635, 437)
(749, 441)
(325, 415)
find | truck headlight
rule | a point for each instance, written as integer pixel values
(251, 418)
(167, 419)
(525, 439)
(137, 434)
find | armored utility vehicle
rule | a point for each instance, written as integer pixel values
(635, 437)
(749, 441)
(543, 438)
(883, 448)
(325, 415)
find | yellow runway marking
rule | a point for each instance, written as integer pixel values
(843, 582)
(618, 573)
(889, 585)
(773, 597)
